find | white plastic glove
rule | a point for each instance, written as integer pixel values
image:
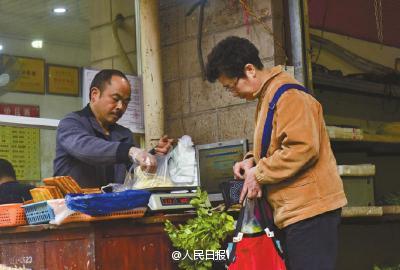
(147, 161)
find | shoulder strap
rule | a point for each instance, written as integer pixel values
(266, 138)
(268, 225)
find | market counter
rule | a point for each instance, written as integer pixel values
(116, 244)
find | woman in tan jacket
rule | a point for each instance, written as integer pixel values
(298, 169)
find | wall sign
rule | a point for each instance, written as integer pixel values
(21, 146)
(63, 80)
(26, 74)
(19, 110)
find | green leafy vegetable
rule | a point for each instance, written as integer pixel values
(387, 267)
(204, 232)
(392, 198)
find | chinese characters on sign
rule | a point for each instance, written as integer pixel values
(19, 110)
(27, 73)
(200, 255)
(63, 80)
(21, 146)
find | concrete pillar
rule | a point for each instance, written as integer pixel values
(151, 71)
(105, 50)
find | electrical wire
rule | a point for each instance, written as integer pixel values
(249, 11)
(322, 30)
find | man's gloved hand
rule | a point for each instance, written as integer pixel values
(147, 161)
(164, 145)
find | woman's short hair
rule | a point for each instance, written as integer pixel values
(230, 56)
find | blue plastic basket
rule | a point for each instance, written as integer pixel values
(38, 213)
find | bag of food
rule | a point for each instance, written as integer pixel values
(177, 168)
(255, 244)
(136, 178)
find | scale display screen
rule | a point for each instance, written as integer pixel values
(169, 201)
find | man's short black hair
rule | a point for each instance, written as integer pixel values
(7, 169)
(104, 76)
(230, 56)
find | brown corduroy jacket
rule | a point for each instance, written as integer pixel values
(300, 168)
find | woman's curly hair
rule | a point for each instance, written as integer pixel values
(229, 58)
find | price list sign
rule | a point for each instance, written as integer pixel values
(20, 146)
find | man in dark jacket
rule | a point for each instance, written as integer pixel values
(91, 147)
(11, 191)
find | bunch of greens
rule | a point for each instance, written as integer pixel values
(204, 232)
(387, 268)
(392, 198)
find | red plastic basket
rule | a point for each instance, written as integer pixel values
(12, 215)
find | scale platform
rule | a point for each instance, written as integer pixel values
(171, 201)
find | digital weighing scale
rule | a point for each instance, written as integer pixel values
(214, 166)
(171, 201)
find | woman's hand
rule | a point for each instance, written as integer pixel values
(251, 188)
(240, 168)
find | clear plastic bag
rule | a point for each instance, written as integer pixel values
(182, 166)
(61, 211)
(177, 168)
(138, 179)
(250, 222)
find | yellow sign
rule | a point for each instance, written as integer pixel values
(26, 74)
(20, 146)
(63, 80)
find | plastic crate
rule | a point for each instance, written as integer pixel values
(80, 217)
(38, 213)
(58, 208)
(133, 213)
(77, 217)
(12, 215)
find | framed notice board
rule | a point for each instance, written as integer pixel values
(21, 146)
(26, 74)
(63, 80)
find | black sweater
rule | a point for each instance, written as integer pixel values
(14, 192)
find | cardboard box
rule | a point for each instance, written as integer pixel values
(359, 190)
